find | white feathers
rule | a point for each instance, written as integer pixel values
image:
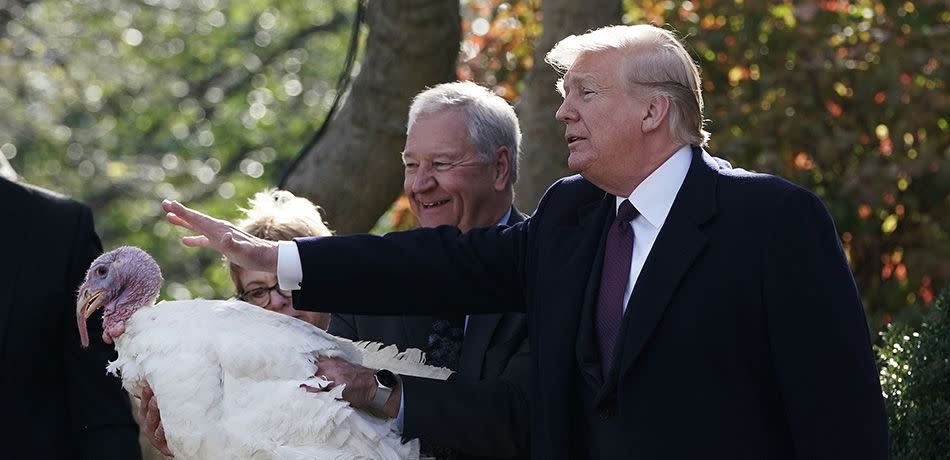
(227, 378)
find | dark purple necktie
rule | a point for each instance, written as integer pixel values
(613, 283)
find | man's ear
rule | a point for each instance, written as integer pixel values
(656, 113)
(501, 168)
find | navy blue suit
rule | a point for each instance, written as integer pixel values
(744, 337)
(493, 373)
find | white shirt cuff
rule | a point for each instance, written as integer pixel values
(289, 269)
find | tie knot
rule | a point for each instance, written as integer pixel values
(627, 212)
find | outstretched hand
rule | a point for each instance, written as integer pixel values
(238, 246)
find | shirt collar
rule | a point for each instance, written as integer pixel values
(654, 196)
(504, 219)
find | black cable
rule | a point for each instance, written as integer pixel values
(342, 84)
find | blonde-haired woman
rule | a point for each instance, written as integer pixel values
(277, 215)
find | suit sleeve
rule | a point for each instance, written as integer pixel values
(479, 418)
(343, 325)
(99, 408)
(819, 337)
(481, 271)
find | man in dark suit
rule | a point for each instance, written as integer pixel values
(677, 307)
(461, 157)
(57, 400)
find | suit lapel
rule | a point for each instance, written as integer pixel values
(480, 329)
(417, 330)
(592, 217)
(588, 355)
(679, 243)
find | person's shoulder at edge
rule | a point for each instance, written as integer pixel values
(754, 187)
(34, 192)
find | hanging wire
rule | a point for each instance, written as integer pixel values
(342, 84)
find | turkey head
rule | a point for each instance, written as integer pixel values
(120, 282)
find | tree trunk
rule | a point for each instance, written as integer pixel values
(354, 171)
(544, 152)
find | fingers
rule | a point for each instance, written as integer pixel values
(174, 219)
(311, 389)
(161, 443)
(190, 219)
(153, 417)
(196, 241)
(144, 401)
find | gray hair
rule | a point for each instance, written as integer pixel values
(492, 122)
(654, 59)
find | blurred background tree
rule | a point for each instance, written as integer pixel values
(121, 104)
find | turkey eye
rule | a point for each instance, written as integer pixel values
(102, 270)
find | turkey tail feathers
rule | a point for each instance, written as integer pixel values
(409, 362)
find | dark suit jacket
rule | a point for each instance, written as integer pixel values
(744, 338)
(495, 350)
(56, 399)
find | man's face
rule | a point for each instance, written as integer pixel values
(446, 182)
(602, 118)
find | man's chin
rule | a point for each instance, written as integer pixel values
(577, 164)
(434, 217)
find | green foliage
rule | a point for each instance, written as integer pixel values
(915, 377)
(122, 104)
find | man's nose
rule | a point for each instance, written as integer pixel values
(423, 179)
(565, 113)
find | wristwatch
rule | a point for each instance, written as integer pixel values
(386, 382)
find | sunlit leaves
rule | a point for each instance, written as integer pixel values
(496, 48)
(121, 104)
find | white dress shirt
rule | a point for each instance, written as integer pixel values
(653, 198)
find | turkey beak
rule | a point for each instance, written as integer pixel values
(87, 303)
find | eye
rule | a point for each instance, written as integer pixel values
(258, 293)
(441, 165)
(102, 271)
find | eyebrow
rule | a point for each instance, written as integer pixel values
(578, 78)
(435, 155)
(254, 285)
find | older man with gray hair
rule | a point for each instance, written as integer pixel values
(677, 307)
(461, 161)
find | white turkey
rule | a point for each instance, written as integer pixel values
(227, 374)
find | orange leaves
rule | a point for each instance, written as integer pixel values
(803, 161)
(497, 43)
(834, 108)
(925, 291)
(893, 266)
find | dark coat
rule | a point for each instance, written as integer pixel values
(744, 337)
(495, 349)
(57, 400)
